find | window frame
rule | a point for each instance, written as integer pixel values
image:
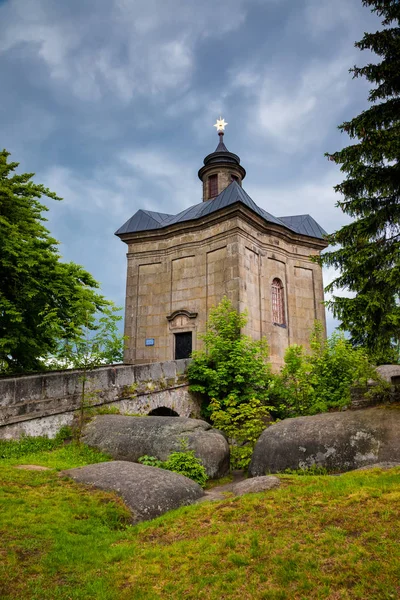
(278, 303)
(213, 185)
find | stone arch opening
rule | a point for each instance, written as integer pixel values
(163, 411)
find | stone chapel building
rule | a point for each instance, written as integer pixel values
(180, 266)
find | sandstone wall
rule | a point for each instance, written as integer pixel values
(185, 272)
(262, 258)
(41, 404)
(191, 269)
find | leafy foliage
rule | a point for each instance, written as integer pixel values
(367, 250)
(233, 376)
(315, 382)
(92, 346)
(183, 462)
(29, 445)
(231, 364)
(242, 423)
(186, 463)
(42, 300)
(150, 461)
(95, 343)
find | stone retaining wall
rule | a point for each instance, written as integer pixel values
(41, 404)
(363, 397)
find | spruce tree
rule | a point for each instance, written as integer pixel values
(367, 251)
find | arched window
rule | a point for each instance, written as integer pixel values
(213, 186)
(278, 303)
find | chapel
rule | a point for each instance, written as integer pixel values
(180, 266)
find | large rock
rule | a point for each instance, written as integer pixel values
(148, 492)
(129, 438)
(339, 441)
(256, 484)
(383, 466)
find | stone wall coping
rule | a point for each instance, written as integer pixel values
(55, 372)
(40, 402)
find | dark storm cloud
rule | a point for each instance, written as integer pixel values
(112, 103)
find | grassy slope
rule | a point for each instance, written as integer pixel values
(315, 537)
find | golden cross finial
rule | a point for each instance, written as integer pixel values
(220, 124)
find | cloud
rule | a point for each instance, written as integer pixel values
(322, 17)
(291, 111)
(341, 17)
(104, 191)
(120, 48)
(112, 104)
(303, 194)
(173, 182)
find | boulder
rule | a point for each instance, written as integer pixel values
(340, 441)
(256, 484)
(148, 491)
(239, 488)
(129, 438)
(383, 466)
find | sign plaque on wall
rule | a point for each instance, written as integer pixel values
(149, 342)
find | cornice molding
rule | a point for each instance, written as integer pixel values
(236, 209)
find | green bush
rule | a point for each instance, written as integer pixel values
(232, 374)
(242, 423)
(184, 462)
(231, 364)
(239, 391)
(151, 461)
(187, 464)
(320, 380)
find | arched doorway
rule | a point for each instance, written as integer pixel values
(163, 411)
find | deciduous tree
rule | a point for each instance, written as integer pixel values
(42, 299)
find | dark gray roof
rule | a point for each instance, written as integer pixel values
(221, 146)
(304, 224)
(143, 220)
(146, 220)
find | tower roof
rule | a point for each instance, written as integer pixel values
(221, 157)
(145, 220)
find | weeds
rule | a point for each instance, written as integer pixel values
(29, 445)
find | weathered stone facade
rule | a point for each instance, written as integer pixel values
(177, 272)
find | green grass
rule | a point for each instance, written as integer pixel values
(316, 537)
(30, 445)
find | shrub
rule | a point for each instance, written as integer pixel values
(320, 380)
(187, 464)
(242, 423)
(184, 462)
(233, 376)
(231, 364)
(151, 461)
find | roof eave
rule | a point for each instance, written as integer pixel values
(227, 211)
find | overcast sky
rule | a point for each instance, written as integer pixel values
(112, 103)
